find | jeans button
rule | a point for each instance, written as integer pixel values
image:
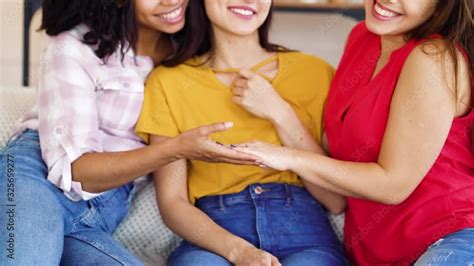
(258, 190)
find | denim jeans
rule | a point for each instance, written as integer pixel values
(454, 249)
(282, 219)
(41, 226)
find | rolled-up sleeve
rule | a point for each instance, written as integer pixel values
(67, 108)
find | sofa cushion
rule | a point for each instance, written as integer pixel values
(14, 104)
(143, 231)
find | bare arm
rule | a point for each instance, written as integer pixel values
(294, 134)
(257, 96)
(177, 212)
(99, 172)
(422, 111)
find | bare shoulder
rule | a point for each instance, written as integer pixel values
(431, 67)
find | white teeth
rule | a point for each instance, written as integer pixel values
(384, 12)
(241, 11)
(172, 15)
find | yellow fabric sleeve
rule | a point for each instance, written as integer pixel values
(156, 117)
(317, 105)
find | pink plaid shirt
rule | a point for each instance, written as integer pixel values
(85, 106)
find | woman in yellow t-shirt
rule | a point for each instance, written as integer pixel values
(236, 214)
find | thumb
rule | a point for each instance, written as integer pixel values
(214, 128)
(275, 261)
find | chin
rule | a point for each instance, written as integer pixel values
(377, 28)
(242, 31)
(383, 30)
(170, 29)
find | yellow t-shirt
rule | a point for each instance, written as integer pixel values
(188, 96)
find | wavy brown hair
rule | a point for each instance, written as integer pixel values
(452, 20)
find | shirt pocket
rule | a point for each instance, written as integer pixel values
(119, 101)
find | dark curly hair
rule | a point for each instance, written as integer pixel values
(112, 25)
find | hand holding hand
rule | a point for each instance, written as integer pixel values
(195, 144)
(270, 156)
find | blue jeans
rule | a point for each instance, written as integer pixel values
(40, 226)
(281, 219)
(454, 249)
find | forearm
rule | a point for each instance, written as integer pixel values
(360, 180)
(98, 172)
(203, 231)
(294, 134)
(177, 212)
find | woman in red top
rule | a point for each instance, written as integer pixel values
(399, 124)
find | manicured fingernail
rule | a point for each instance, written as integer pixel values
(228, 124)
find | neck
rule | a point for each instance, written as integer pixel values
(234, 51)
(153, 44)
(392, 43)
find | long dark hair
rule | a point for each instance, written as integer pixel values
(197, 39)
(452, 20)
(112, 25)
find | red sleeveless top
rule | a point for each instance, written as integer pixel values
(355, 119)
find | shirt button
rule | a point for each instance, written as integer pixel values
(126, 85)
(258, 190)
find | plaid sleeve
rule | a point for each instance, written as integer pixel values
(67, 108)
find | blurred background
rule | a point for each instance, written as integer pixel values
(319, 27)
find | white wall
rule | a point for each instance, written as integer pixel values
(321, 34)
(11, 42)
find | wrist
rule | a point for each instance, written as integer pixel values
(177, 148)
(236, 249)
(168, 149)
(282, 115)
(292, 160)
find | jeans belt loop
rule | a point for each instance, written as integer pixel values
(289, 195)
(221, 203)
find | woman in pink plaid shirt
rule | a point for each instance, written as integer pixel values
(77, 162)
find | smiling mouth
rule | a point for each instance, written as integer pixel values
(243, 12)
(173, 15)
(384, 12)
